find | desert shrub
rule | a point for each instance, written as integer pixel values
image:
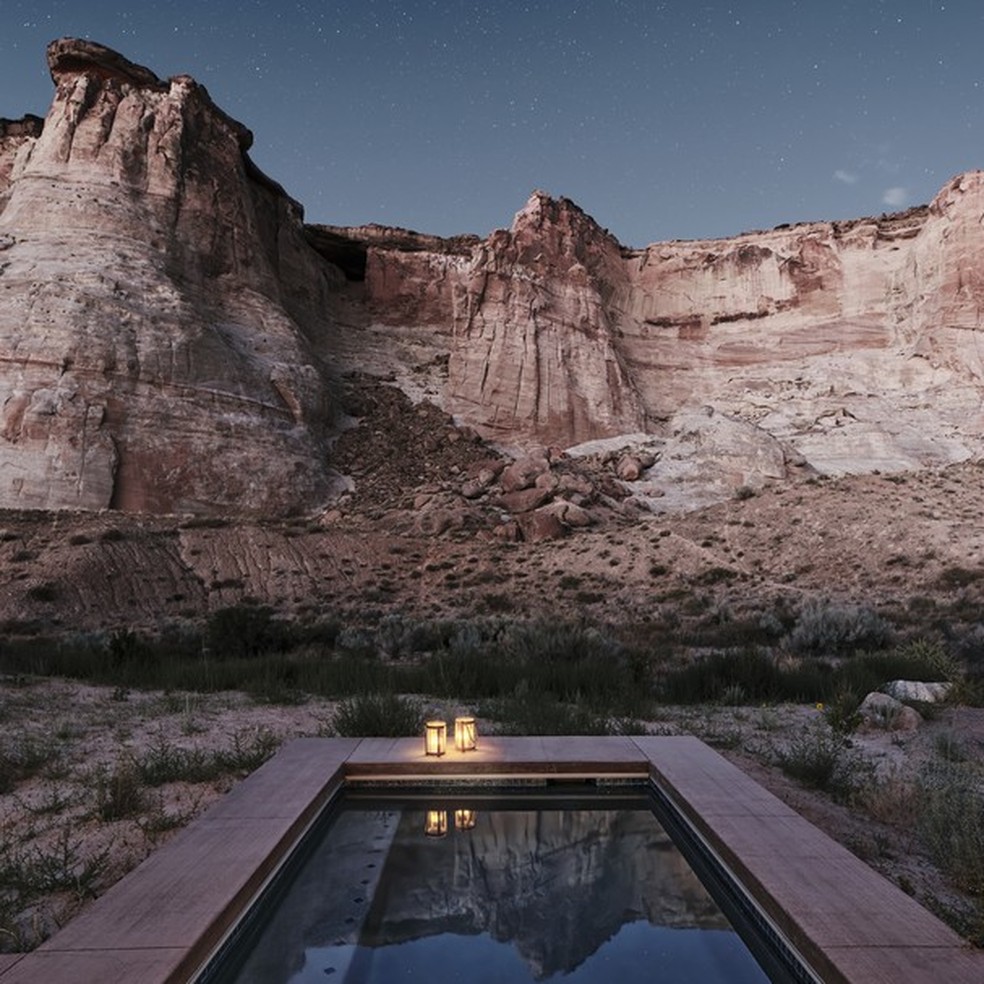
(247, 751)
(22, 757)
(959, 577)
(46, 591)
(822, 759)
(526, 714)
(378, 715)
(832, 629)
(165, 762)
(710, 678)
(245, 630)
(119, 792)
(951, 822)
(716, 575)
(842, 712)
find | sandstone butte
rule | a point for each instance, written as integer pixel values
(172, 335)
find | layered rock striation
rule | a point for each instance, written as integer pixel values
(157, 297)
(833, 346)
(170, 331)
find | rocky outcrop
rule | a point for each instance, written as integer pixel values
(167, 325)
(833, 347)
(157, 297)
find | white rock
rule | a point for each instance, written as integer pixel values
(925, 693)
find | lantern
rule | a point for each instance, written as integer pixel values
(435, 737)
(465, 734)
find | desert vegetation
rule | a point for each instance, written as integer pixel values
(170, 719)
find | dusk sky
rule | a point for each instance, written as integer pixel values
(663, 120)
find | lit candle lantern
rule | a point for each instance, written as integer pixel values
(465, 734)
(435, 737)
(465, 819)
(436, 823)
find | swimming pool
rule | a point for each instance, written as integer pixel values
(503, 885)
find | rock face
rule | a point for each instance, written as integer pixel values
(169, 329)
(156, 294)
(839, 347)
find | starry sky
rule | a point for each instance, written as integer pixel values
(664, 120)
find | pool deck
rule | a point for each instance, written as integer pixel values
(159, 924)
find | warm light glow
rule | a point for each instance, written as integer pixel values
(435, 737)
(465, 819)
(436, 824)
(465, 734)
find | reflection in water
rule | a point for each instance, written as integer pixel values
(519, 896)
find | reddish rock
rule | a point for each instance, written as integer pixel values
(569, 513)
(508, 532)
(524, 500)
(629, 468)
(523, 473)
(541, 524)
(160, 361)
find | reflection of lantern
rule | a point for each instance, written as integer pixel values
(435, 737)
(436, 824)
(465, 734)
(465, 819)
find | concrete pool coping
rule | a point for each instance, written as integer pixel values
(160, 922)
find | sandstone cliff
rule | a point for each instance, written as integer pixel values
(834, 346)
(170, 330)
(155, 294)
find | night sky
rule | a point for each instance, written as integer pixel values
(681, 119)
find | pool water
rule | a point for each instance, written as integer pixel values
(491, 889)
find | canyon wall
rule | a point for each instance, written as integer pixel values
(156, 295)
(171, 332)
(832, 346)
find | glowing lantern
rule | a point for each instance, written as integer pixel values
(436, 823)
(465, 819)
(435, 737)
(465, 734)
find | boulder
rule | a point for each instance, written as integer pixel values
(524, 500)
(570, 514)
(523, 473)
(917, 691)
(629, 468)
(542, 524)
(879, 711)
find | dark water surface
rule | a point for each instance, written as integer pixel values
(510, 895)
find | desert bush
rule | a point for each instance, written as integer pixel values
(247, 751)
(245, 630)
(119, 792)
(958, 577)
(830, 629)
(164, 762)
(378, 715)
(842, 712)
(951, 822)
(720, 676)
(524, 713)
(22, 757)
(820, 758)
(61, 865)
